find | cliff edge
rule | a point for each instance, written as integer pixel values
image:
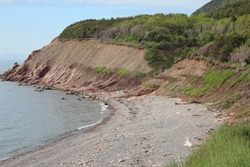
(72, 64)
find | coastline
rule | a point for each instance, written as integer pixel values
(148, 130)
(25, 140)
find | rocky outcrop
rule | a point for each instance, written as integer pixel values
(70, 65)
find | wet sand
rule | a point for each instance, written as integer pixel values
(142, 131)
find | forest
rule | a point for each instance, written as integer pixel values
(214, 5)
(222, 34)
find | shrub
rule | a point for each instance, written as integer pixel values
(102, 70)
(155, 59)
(240, 54)
(141, 74)
(187, 52)
(123, 72)
(224, 45)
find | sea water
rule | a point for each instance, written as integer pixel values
(29, 119)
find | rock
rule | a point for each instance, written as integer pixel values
(123, 160)
(187, 143)
(151, 162)
(166, 154)
(197, 138)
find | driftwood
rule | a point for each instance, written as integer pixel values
(184, 103)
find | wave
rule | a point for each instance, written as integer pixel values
(103, 106)
(86, 126)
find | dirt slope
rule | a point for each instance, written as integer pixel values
(70, 65)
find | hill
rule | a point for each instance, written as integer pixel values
(213, 5)
(231, 11)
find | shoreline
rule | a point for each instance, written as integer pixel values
(62, 137)
(140, 131)
(105, 110)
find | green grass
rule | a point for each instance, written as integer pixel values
(193, 91)
(102, 70)
(123, 72)
(230, 100)
(215, 78)
(212, 80)
(148, 85)
(242, 77)
(227, 147)
(194, 79)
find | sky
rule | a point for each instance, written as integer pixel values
(28, 25)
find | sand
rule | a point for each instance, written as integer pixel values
(142, 131)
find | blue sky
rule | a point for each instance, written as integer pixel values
(28, 25)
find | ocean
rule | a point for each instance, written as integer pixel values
(30, 119)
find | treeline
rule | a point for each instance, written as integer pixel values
(169, 36)
(90, 28)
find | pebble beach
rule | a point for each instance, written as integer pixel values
(141, 131)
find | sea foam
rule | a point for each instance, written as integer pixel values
(86, 126)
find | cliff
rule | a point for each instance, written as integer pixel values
(71, 65)
(75, 66)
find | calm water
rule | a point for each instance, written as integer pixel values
(29, 119)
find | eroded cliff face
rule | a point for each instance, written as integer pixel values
(70, 65)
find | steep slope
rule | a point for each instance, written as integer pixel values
(213, 5)
(72, 64)
(224, 87)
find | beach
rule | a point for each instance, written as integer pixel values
(148, 130)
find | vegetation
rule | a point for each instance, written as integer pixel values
(223, 34)
(239, 8)
(102, 70)
(149, 85)
(229, 146)
(141, 74)
(212, 80)
(214, 5)
(123, 72)
(219, 32)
